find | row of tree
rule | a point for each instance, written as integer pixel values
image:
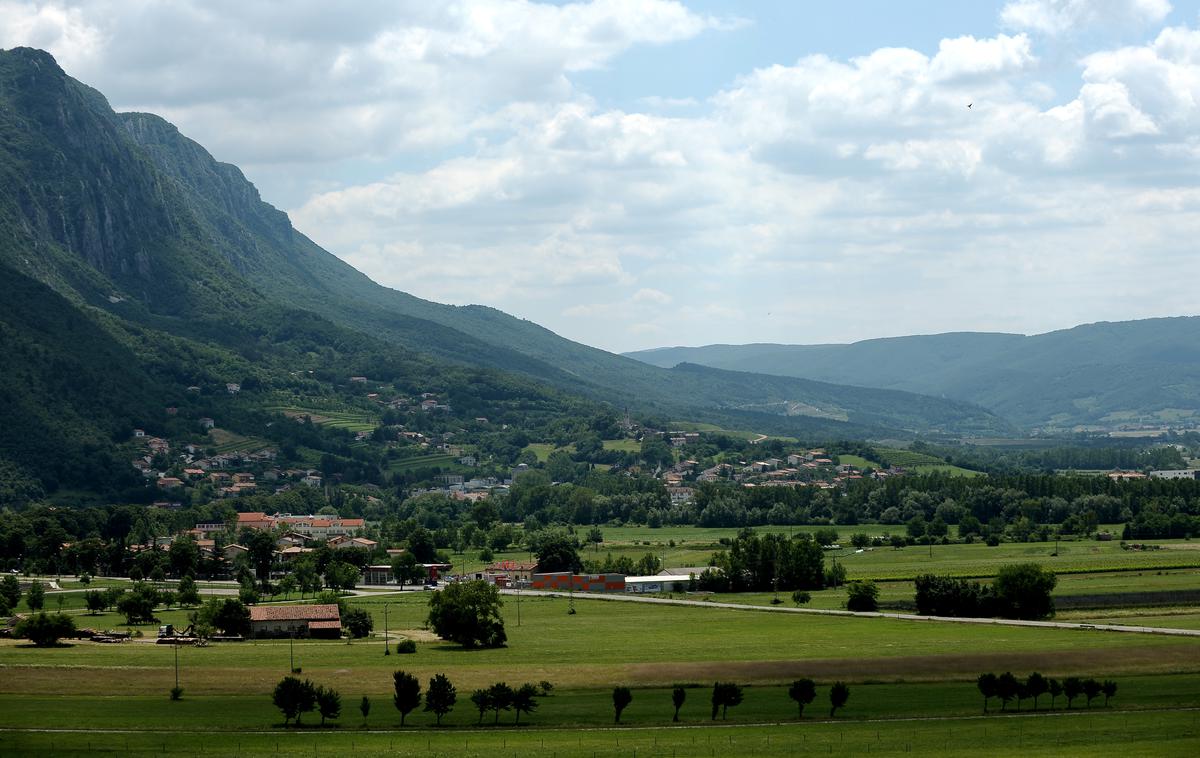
(726, 695)
(1008, 688)
(1019, 591)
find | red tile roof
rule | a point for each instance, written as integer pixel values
(308, 613)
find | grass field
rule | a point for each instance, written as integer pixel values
(1158, 733)
(115, 695)
(439, 460)
(694, 546)
(228, 442)
(338, 418)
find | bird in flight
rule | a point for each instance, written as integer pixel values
(969, 105)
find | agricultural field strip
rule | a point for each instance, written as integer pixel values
(876, 614)
(810, 721)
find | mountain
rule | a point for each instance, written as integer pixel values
(142, 232)
(1102, 375)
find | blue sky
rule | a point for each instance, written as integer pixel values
(636, 173)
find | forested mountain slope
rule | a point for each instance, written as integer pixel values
(122, 214)
(1107, 374)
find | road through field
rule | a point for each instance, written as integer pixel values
(875, 614)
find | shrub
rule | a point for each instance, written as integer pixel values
(45, 629)
(862, 596)
(406, 647)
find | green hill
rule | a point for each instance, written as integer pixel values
(1104, 374)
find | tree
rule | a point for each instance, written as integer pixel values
(329, 703)
(358, 622)
(835, 575)
(556, 550)
(364, 707)
(482, 701)
(188, 594)
(1091, 690)
(10, 591)
(227, 614)
(987, 687)
(340, 575)
(862, 596)
(35, 598)
(1109, 688)
(306, 576)
(440, 697)
(801, 597)
(678, 696)
(724, 695)
(803, 691)
(1006, 688)
(1023, 591)
(45, 629)
(408, 693)
(137, 606)
(839, 693)
(524, 700)
(1055, 688)
(286, 586)
(294, 697)
(468, 613)
(1072, 688)
(183, 556)
(1036, 686)
(500, 698)
(95, 601)
(406, 568)
(621, 697)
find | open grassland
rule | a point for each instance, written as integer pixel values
(1169, 733)
(543, 450)
(438, 460)
(912, 687)
(694, 546)
(584, 650)
(227, 442)
(351, 420)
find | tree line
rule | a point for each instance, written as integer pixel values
(1006, 688)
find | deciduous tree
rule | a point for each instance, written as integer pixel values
(803, 691)
(621, 698)
(440, 697)
(678, 696)
(839, 694)
(407, 693)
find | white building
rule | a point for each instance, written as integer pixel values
(663, 583)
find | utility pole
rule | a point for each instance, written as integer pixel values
(386, 650)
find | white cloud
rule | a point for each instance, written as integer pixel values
(820, 198)
(1064, 16)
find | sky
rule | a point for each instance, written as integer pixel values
(642, 173)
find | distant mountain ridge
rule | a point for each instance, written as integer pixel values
(121, 213)
(1106, 374)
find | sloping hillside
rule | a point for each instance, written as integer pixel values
(1105, 374)
(122, 212)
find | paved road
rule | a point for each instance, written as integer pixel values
(630, 598)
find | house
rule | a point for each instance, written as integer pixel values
(207, 422)
(233, 388)
(254, 520)
(139, 433)
(170, 483)
(680, 495)
(233, 551)
(341, 542)
(358, 379)
(296, 621)
(312, 480)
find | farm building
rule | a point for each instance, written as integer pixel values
(659, 583)
(566, 581)
(508, 572)
(296, 620)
